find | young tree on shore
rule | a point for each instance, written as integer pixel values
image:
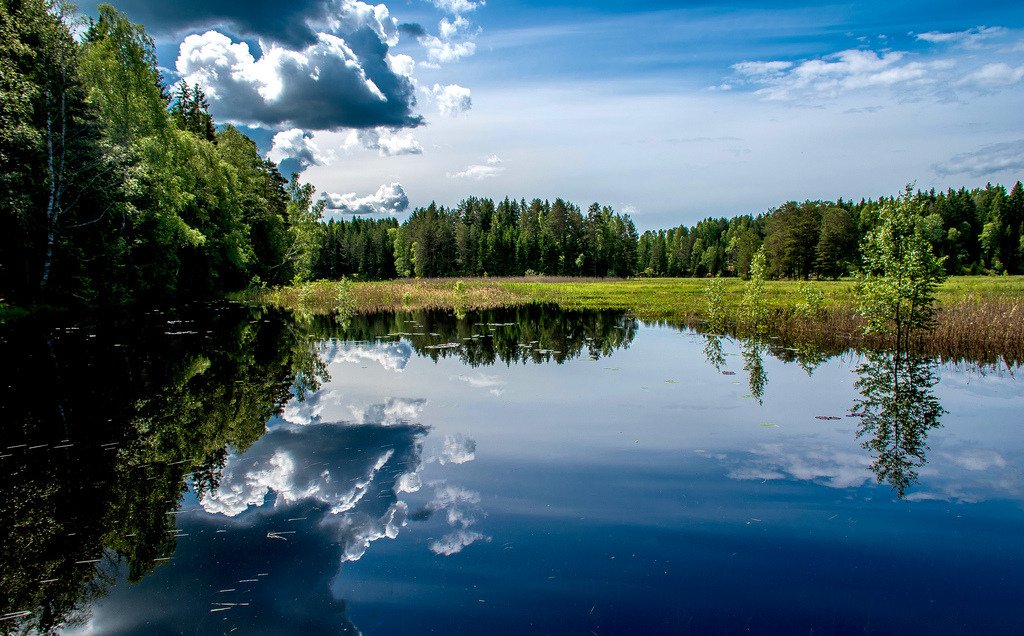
(896, 286)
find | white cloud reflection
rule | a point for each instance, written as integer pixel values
(827, 465)
(462, 510)
(393, 356)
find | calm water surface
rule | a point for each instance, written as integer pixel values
(223, 469)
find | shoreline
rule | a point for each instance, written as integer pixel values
(979, 318)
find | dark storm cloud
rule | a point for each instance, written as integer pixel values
(331, 84)
(412, 29)
(282, 22)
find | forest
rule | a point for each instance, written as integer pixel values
(119, 188)
(976, 231)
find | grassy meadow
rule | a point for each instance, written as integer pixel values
(979, 318)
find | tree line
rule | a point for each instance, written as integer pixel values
(975, 231)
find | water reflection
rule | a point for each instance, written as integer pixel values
(96, 463)
(534, 333)
(753, 364)
(897, 409)
(713, 352)
(209, 459)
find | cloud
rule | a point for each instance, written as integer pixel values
(299, 146)
(452, 100)
(294, 24)
(440, 51)
(458, 7)
(911, 74)
(462, 509)
(479, 172)
(841, 72)
(396, 411)
(829, 466)
(282, 463)
(402, 64)
(393, 356)
(978, 459)
(454, 542)
(389, 199)
(457, 449)
(493, 384)
(455, 41)
(412, 29)
(993, 76)
(388, 142)
(451, 28)
(289, 23)
(760, 69)
(985, 161)
(330, 84)
(970, 38)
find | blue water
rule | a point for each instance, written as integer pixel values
(644, 491)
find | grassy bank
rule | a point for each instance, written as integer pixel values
(979, 318)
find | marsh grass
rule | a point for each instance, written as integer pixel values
(979, 318)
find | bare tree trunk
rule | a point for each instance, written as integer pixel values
(51, 202)
(55, 166)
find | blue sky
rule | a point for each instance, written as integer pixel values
(671, 111)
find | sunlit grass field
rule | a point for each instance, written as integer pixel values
(651, 298)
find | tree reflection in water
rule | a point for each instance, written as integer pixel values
(753, 364)
(897, 409)
(104, 427)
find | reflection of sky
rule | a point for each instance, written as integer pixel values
(638, 493)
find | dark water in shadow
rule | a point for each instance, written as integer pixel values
(531, 470)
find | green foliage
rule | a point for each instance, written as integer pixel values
(755, 305)
(896, 287)
(714, 299)
(190, 111)
(303, 214)
(120, 68)
(812, 302)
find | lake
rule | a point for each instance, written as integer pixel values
(221, 468)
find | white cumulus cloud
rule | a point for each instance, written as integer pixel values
(301, 146)
(452, 100)
(389, 199)
(480, 171)
(393, 356)
(457, 449)
(388, 142)
(458, 7)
